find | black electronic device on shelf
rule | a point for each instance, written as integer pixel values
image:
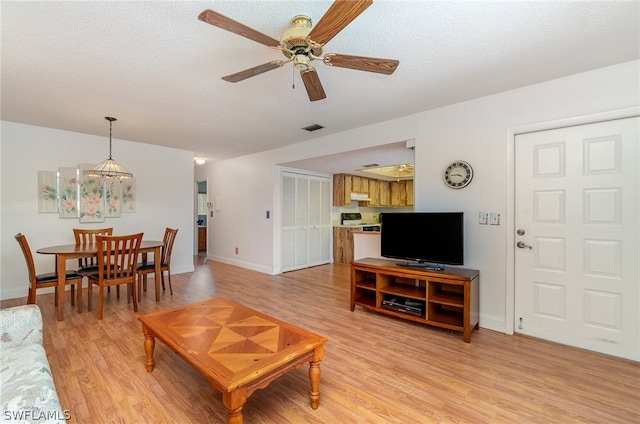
(423, 239)
(404, 305)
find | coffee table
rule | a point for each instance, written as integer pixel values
(238, 350)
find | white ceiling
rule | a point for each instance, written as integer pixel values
(157, 68)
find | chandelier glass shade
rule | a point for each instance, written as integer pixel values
(109, 168)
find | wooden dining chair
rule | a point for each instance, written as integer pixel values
(147, 268)
(117, 262)
(49, 279)
(89, 265)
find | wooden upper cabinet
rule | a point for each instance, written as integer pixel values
(385, 193)
(364, 185)
(355, 184)
(409, 186)
(348, 188)
(338, 189)
(374, 192)
(341, 189)
(382, 193)
(398, 193)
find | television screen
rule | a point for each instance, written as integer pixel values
(427, 239)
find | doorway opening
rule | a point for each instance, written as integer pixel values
(201, 218)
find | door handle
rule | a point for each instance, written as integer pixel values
(523, 245)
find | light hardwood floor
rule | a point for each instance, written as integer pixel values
(377, 369)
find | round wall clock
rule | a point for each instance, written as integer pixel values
(458, 174)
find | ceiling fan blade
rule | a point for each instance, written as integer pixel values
(252, 72)
(360, 63)
(336, 18)
(313, 85)
(216, 19)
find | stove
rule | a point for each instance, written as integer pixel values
(351, 218)
(354, 219)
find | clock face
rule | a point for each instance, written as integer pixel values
(458, 174)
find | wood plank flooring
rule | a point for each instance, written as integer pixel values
(377, 369)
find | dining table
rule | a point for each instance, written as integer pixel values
(64, 252)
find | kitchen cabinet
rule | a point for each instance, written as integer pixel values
(364, 188)
(385, 193)
(202, 239)
(359, 184)
(398, 191)
(341, 190)
(344, 185)
(381, 192)
(409, 187)
(343, 244)
(374, 192)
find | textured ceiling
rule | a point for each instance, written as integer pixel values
(157, 68)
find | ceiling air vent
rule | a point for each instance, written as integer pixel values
(313, 127)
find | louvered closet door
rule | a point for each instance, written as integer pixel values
(577, 226)
(306, 228)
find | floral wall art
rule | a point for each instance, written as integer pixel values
(129, 195)
(113, 196)
(71, 194)
(68, 181)
(91, 197)
(47, 192)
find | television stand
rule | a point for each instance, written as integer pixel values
(446, 299)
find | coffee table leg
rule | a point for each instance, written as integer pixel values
(149, 345)
(234, 402)
(314, 378)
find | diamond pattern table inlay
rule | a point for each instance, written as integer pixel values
(234, 347)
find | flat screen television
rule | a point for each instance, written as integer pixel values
(423, 239)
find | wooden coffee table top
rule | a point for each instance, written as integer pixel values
(230, 344)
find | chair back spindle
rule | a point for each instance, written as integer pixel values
(88, 236)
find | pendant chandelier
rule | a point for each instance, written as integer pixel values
(109, 168)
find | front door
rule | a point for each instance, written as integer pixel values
(577, 257)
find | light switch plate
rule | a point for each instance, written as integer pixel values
(483, 218)
(494, 218)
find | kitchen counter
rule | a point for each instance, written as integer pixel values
(344, 244)
(359, 226)
(366, 244)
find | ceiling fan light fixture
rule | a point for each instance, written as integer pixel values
(301, 62)
(296, 34)
(402, 170)
(109, 168)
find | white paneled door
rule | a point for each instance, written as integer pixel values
(577, 260)
(306, 221)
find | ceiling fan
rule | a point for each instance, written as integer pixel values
(301, 45)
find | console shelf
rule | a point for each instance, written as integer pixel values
(447, 299)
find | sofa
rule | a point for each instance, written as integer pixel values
(28, 394)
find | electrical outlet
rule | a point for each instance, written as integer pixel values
(483, 218)
(494, 218)
(236, 250)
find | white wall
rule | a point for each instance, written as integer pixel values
(477, 131)
(164, 185)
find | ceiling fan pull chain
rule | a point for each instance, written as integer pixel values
(293, 78)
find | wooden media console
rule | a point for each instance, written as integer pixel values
(447, 299)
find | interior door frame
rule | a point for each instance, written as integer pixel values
(510, 226)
